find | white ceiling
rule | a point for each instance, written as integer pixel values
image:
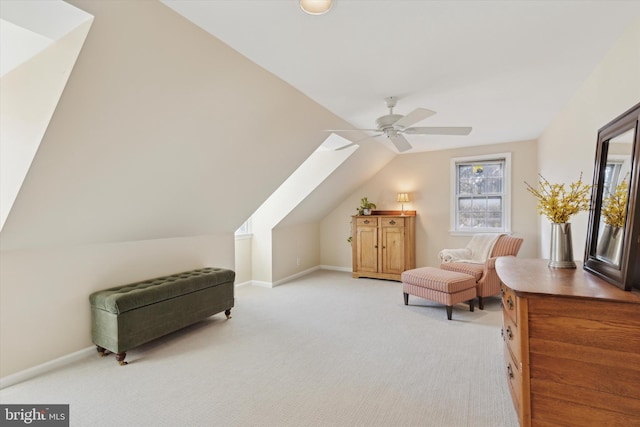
(27, 28)
(506, 68)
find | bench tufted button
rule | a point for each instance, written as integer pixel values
(129, 297)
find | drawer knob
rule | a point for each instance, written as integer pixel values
(509, 371)
(366, 221)
(509, 333)
(510, 303)
(392, 222)
(502, 290)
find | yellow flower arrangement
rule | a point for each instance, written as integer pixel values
(614, 207)
(559, 204)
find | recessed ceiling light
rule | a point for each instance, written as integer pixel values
(315, 7)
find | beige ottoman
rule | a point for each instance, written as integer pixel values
(442, 286)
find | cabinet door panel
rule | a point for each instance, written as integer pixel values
(393, 250)
(367, 249)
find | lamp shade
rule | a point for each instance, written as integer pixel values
(315, 7)
(403, 197)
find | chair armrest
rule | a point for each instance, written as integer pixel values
(489, 284)
(490, 266)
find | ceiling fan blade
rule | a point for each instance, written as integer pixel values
(358, 141)
(438, 131)
(352, 130)
(414, 117)
(400, 142)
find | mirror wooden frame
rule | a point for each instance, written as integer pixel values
(626, 274)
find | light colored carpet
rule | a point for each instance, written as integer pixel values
(325, 350)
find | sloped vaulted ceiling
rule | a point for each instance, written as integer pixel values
(37, 54)
(162, 131)
(506, 68)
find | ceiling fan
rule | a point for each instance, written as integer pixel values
(393, 126)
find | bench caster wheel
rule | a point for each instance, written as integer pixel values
(120, 358)
(102, 351)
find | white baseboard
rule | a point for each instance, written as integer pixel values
(336, 268)
(261, 284)
(295, 276)
(27, 374)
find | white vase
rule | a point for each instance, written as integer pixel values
(561, 255)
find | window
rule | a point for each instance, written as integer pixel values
(612, 174)
(480, 192)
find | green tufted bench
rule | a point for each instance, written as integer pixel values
(127, 316)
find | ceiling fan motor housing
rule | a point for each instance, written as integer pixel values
(387, 121)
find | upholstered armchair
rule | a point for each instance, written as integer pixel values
(488, 282)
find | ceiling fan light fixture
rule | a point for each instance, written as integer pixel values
(315, 7)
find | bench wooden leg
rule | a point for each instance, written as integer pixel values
(120, 358)
(449, 311)
(228, 313)
(406, 298)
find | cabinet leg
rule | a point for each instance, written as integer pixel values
(228, 313)
(102, 351)
(449, 311)
(480, 303)
(471, 304)
(406, 298)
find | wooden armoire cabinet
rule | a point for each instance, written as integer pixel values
(572, 346)
(383, 244)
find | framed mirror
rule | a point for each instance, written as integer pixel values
(612, 251)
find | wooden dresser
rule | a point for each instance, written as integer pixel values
(572, 346)
(383, 244)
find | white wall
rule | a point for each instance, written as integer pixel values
(138, 174)
(243, 259)
(568, 145)
(30, 94)
(302, 182)
(44, 309)
(426, 176)
(292, 244)
(566, 148)
(142, 171)
(146, 138)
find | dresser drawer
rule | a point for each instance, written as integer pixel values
(514, 377)
(392, 222)
(509, 302)
(370, 222)
(511, 336)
